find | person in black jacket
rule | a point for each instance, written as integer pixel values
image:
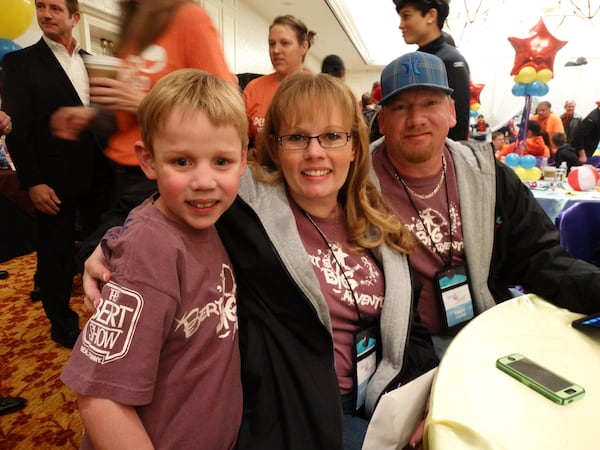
(466, 209)
(421, 23)
(564, 151)
(587, 135)
(570, 120)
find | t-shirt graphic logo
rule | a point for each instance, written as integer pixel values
(225, 307)
(432, 228)
(344, 277)
(107, 335)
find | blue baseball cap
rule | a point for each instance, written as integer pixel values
(416, 69)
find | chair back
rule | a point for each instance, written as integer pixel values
(579, 228)
(594, 161)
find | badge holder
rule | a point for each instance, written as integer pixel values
(365, 359)
(454, 294)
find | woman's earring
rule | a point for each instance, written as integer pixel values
(429, 21)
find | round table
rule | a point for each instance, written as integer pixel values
(473, 405)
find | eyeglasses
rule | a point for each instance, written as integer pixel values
(325, 140)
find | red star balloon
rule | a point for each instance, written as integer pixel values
(475, 91)
(537, 50)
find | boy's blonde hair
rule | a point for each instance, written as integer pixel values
(306, 96)
(192, 90)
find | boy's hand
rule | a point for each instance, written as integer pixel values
(95, 272)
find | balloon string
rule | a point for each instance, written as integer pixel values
(520, 143)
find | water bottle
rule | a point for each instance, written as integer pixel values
(561, 174)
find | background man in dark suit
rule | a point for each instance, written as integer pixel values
(65, 179)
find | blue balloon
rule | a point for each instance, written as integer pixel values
(473, 113)
(513, 160)
(519, 89)
(7, 46)
(528, 161)
(535, 88)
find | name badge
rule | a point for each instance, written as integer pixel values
(455, 294)
(365, 362)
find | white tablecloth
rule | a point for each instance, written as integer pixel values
(474, 405)
(555, 201)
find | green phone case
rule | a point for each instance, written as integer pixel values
(540, 379)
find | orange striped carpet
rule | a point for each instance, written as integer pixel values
(30, 366)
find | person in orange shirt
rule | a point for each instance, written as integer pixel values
(551, 123)
(157, 38)
(289, 41)
(534, 143)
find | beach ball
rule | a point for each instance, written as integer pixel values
(583, 178)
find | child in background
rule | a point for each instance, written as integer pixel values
(534, 143)
(564, 151)
(157, 365)
(480, 128)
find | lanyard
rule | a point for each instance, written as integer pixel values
(324, 237)
(447, 262)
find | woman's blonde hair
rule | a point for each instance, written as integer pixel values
(192, 90)
(305, 96)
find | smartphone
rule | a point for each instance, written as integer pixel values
(587, 322)
(540, 379)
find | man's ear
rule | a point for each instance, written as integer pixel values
(76, 18)
(146, 159)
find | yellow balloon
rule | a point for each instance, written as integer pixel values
(521, 172)
(475, 106)
(544, 75)
(533, 174)
(527, 75)
(15, 17)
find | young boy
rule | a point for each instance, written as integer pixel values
(564, 151)
(157, 365)
(534, 143)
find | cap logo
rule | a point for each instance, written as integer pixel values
(415, 67)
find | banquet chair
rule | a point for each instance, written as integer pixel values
(594, 161)
(579, 228)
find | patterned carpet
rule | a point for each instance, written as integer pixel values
(30, 366)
